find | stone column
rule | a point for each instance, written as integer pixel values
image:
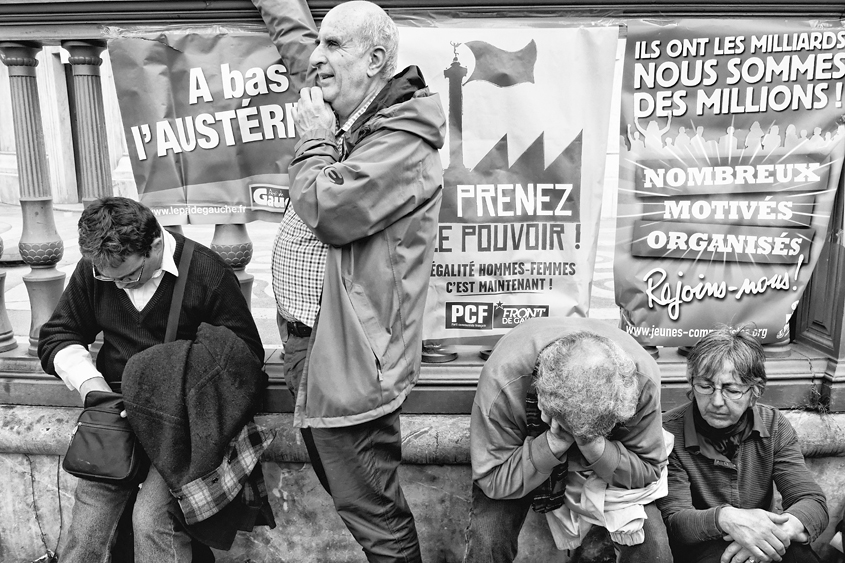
(95, 179)
(40, 246)
(233, 244)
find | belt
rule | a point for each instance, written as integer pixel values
(299, 329)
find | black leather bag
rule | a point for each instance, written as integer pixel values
(103, 447)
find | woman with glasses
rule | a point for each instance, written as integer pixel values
(730, 453)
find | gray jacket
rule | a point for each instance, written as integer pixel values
(377, 209)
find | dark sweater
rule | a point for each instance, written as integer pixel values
(88, 306)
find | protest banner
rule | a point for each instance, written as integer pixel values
(732, 146)
(207, 117)
(523, 169)
(207, 114)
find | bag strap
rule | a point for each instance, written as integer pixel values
(179, 291)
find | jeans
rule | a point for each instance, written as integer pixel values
(158, 537)
(494, 526)
(493, 531)
(358, 466)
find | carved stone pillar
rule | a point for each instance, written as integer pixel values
(233, 244)
(40, 246)
(95, 179)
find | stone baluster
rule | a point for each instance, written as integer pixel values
(233, 244)
(95, 180)
(434, 352)
(40, 246)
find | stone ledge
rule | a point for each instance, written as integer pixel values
(427, 439)
(796, 381)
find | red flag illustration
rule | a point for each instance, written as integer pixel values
(500, 67)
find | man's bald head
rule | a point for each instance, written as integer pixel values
(372, 28)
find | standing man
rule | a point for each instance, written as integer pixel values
(566, 420)
(366, 184)
(122, 287)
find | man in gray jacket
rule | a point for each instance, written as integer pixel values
(351, 266)
(566, 421)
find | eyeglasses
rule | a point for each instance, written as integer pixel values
(727, 392)
(123, 280)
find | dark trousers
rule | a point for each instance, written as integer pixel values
(494, 526)
(361, 466)
(711, 552)
(358, 466)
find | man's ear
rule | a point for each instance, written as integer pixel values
(377, 60)
(158, 243)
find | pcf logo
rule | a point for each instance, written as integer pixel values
(469, 315)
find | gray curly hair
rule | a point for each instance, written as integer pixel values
(587, 383)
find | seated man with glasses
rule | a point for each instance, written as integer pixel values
(730, 453)
(122, 287)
